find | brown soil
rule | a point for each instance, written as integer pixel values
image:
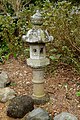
(62, 87)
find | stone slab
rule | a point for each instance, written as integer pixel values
(38, 114)
(4, 79)
(6, 94)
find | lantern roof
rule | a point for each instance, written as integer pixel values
(36, 34)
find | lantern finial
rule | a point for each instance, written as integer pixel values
(37, 18)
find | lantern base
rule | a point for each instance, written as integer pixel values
(37, 63)
(41, 100)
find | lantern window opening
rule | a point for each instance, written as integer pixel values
(34, 50)
(41, 50)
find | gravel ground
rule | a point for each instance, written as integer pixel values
(61, 86)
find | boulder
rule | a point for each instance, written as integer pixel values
(20, 106)
(65, 116)
(4, 79)
(6, 94)
(38, 114)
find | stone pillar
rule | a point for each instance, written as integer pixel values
(38, 82)
(37, 38)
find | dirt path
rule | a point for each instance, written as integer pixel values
(61, 86)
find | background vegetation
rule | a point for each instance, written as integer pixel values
(61, 19)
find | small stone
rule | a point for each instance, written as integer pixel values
(78, 106)
(6, 94)
(65, 116)
(4, 79)
(20, 106)
(38, 114)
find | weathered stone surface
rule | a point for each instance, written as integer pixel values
(65, 116)
(38, 114)
(37, 35)
(41, 100)
(38, 63)
(20, 106)
(6, 94)
(4, 79)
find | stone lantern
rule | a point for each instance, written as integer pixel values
(37, 38)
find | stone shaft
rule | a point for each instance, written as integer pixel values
(38, 82)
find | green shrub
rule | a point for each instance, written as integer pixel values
(61, 19)
(11, 30)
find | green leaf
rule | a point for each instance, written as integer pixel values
(13, 84)
(52, 57)
(78, 94)
(53, 50)
(15, 55)
(55, 57)
(58, 56)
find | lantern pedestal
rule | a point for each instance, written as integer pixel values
(41, 100)
(39, 95)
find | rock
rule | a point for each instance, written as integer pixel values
(20, 106)
(4, 79)
(38, 114)
(6, 94)
(65, 116)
